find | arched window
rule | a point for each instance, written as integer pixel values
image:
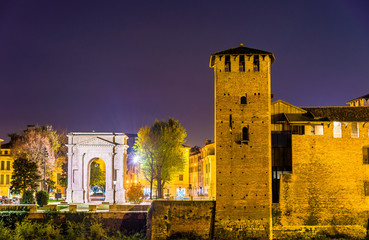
(243, 100)
(245, 134)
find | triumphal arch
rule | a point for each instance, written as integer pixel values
(84, 148)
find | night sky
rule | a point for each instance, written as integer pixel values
(119, 65)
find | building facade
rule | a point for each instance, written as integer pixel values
(202, 171)
(6, 169)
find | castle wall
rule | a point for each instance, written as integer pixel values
(176, 218)
(327, 183)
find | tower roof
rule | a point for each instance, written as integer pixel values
(244, 50)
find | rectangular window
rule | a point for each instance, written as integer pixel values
(181, 177)
(299, 130)
(319, 130)
(354, 129)
(7, 179)
(312, 130)
(242, 63)
(2, 165)
(366, 188)
(8, 165)
(337, 131)
(365, 155)
(1, 179)
(256, 63)
(227, 63)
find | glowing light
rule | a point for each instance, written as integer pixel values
(135, 181)
(136, 158)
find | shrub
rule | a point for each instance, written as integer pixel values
(5, 233)
(28, 197)
(97, 231)
(75, 230)
(10, 218)
(42, 198)
(135, 193)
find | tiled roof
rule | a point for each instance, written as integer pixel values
(365, 96)
(298, 117)
(6, 145)
(244, 50)
(344, 114)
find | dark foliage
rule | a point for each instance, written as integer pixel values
(28, 197)
(10, 218)
(25, 175)
(42, 198)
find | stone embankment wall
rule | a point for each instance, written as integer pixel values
(168, 218)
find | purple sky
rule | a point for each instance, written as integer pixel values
(119, 65)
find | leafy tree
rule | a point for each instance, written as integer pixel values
(135, 193)
(161, 151)
(63, 181)
(144, 147)
(25, 175)
(42, 145)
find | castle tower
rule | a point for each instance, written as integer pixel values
(243, 141)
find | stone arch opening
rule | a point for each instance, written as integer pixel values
(97, 180)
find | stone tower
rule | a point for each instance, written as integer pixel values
(243, 141)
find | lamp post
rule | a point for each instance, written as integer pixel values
(114, 183)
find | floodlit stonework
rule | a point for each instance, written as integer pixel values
(83, 149)
(243, 141)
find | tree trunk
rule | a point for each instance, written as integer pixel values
(152, 180)
(158, 183)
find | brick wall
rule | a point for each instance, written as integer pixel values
(327, 183)
(168, 218)
(243, 168)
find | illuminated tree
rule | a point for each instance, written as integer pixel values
(135, 193)
(42, 145)
(144, 148)
(160, 149)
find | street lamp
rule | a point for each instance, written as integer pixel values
(136, 159)
(114, 183)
